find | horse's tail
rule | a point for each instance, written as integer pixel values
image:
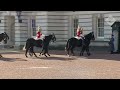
(25, 46)
(67, 45)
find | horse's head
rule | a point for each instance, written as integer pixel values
(92, 36)
(53, 37)
(5, 37)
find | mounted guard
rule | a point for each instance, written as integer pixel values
(39, 34)
(80, 34)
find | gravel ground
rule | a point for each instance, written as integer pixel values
(100, 65)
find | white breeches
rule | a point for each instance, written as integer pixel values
(78, 37)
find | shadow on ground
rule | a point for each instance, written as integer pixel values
(94, 55)
(12, 52)
(12, 59)
(57, 58)
(53, 58)
(115, 57)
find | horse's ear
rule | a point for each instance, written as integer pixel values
(7, 35)
(92, 32)
(52, 33)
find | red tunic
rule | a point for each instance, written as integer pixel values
(79, 33)
(39, 34)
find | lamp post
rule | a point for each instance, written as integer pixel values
(19, 16)
(1, 15)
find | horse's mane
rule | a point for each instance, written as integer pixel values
(88, 34)
(1, 34)
(47, 35)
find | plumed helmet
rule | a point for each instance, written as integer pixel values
(39, 29)
(81, 29)
(78, 29)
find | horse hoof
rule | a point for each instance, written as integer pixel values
(45, 56)
(1, 56)
(73, 54)
(68, 55)
(31, 55)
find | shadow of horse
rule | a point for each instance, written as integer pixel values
(12, 59)
(104, 56)
(56, 58)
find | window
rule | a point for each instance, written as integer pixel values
(20, 20)
(75, 22)
(33, 24)
(100, 26)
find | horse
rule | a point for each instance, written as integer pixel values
(3, 37)
(44, 44)
(73, 42)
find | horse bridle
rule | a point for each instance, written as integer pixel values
(92, 34)
(53, 37)
(6, 35)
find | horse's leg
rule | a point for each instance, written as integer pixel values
(45, 55)
(72, 50)
(88, 52)
(82, 51)
(33, 52)
(26, 51)
(68, 51)
(41, 51)
(1, 56)
(47, 52)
